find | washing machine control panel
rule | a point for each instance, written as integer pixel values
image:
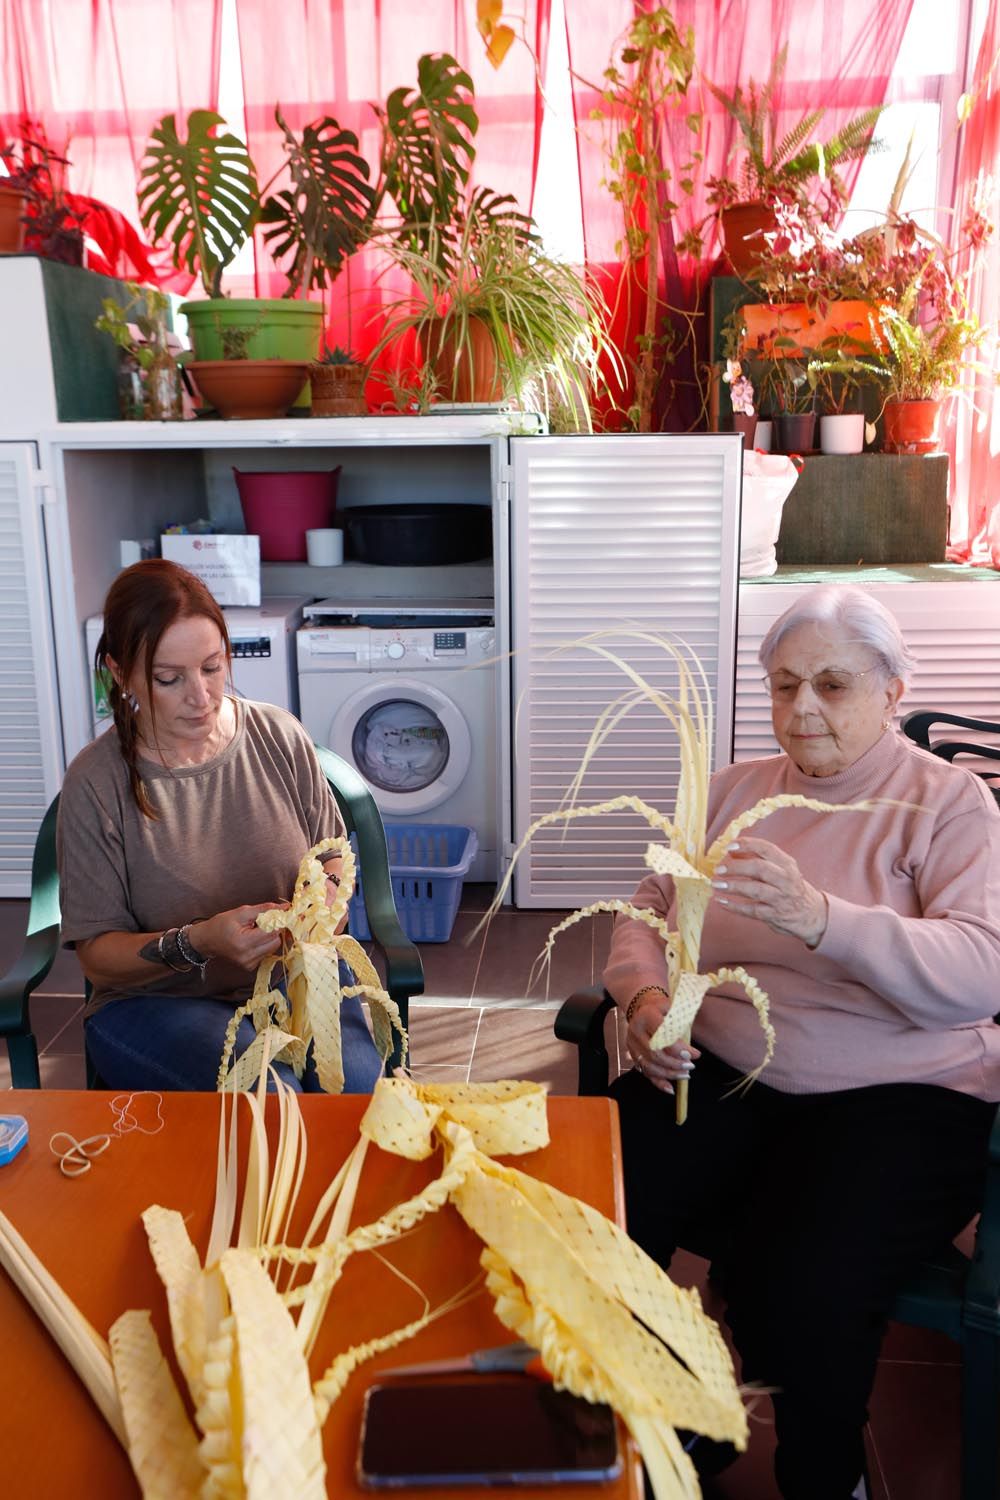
(403, 650)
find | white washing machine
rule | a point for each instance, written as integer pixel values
(409, 698)
(263, 642)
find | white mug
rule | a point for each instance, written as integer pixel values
(325, 547)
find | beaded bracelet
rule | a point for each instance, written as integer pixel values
(647, 989)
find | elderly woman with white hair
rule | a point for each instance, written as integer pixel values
(877, 938)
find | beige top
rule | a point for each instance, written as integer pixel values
(230, 832)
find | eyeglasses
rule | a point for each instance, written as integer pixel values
(829, 686)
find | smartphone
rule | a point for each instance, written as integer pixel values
(483, 1429)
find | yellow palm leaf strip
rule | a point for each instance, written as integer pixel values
(162, 1444)
(224, 1208)
(82, 1345)
(289, 1168)
(507, 1118)
(564, 815)
(257, 1174)
(736, 974)
(768, 805)
(282, 1447)
(543, 961)
(218, 1415)
(383, 1009)
(651, 1341)
(670, 1470)
(271, 1044)
(320, 1288)
(184, 1282)
(324, 1207)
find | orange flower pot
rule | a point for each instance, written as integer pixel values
(853, 323)
(249, 387)
(467, 374)
(911, 426)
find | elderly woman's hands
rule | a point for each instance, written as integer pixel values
(665, 1065)
(760, 880)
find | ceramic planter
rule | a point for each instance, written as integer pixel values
(842, 433)
(13, 205)
(744, 226)
(808, 328)
(467, 373)
(249, 387)
(796, 432)
(911, 426)
(763, 437)
(280, 327)
(338, 390)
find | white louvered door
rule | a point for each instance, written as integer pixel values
(608, 532)
(953, 630)
(30, 747)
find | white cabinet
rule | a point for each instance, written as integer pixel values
(633, 536)
(30, 751)
(952, 628)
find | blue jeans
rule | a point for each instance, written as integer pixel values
(168, 1042)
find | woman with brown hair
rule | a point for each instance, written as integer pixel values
(175, 832)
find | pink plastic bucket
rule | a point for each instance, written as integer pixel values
(281, 508)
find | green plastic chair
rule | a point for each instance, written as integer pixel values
(404, 975)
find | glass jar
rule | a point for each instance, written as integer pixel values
(163, 388)
(131, 390)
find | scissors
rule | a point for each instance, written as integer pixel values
(505, 1358)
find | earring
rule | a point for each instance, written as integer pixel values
(886, 724)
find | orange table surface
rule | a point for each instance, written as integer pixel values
(88, 1233)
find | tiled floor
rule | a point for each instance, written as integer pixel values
(480, 1019)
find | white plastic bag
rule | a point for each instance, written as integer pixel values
(767, 481)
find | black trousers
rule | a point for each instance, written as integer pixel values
(814, 1206)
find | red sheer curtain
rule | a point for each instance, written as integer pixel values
(974, 431)
(337, 56)
(98, 74)
(840, 54)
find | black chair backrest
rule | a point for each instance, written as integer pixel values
(918, 724)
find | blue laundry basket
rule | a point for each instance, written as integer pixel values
(427, 865)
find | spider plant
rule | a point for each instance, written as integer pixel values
(489, 304)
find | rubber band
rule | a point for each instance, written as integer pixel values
(75, 1157)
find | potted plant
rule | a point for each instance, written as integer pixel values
(238, 386)
(35, 214)
(202, 193)
(774, 184)
(741, 395)
(836, 375)
(497, 318)
(923, 361)
(783, 384)
(338, 384)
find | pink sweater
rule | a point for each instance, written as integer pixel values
(903, 985)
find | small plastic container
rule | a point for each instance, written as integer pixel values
(13, 1137)
(427, 864)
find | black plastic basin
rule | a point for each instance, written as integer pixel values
(417, 535)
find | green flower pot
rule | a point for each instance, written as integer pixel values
(282, 328)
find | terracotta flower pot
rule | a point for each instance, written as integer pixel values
(467, 374)
(743, 228)
(911, 426)
(807, 327)
(249, 387)
(13, 204)
(338, 390)
(746, 425)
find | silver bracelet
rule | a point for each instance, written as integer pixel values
(189, 952)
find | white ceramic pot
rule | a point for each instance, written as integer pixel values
(842, 434)
(762, 437)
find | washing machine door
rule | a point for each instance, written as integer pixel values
(410, 742)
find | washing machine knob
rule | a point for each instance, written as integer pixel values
(395, 651)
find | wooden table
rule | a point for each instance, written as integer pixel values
(87, 1231)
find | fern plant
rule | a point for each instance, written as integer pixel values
(780, 169)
